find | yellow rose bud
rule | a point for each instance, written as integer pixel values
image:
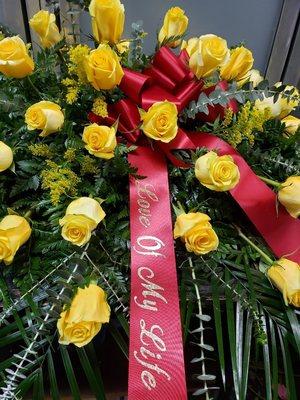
(238, 65)
(103, 68)
(100, 140)
(46, 116)
(289, 195)
(282, 107)
(87, 207)
(219, 173)
(175, 24)
(108, 18)
(253, 76)
(6, 156)
(15, 61)
(160, 121)
(292, 124)
(123, 46)
(207, 53)
(14, 232)
(196, 233)
(285, 275)
(81, 218)
(43, 23)
(83, 320)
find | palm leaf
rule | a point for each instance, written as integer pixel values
(274, 360)
(218, 327)
(232, 335)
(287, 364)
(54, 392)
(70, 372)
(91, 375)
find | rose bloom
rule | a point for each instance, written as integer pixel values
(77, 229)
(6, 156)
(108, 18)
(253, 76)
(83, 320)
(289, 195)
(207, 53)
(103, 68)
(285, 275)
(238, 65)
(292, 124)
(282, 107)
(160, 121)
(175, 24)
(100, 140)
(196, 232)
(14, 232)
(43, 23)
(15, 62)
(46, 116)
(219, 173)
(81, 218)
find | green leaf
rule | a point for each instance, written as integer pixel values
(38, 386)
(246, 358)
(218, 327)
(287, 364)
(232, 335)
(119, 340)
(274, 360)
(70, 372)
(295, 325)
(93, 379)
(54, 392)
(266, 356)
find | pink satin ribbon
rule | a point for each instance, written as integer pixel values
(156, 367)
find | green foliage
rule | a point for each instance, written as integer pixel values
(225, 290)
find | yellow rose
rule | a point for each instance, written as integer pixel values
(14, 232)
(207, 53)
(175, 24)
(238, 65)
(83, 320)
(87, 207)
(160, 121)
(6, 156)
(81, 218)
(215, 172)
(196, 232)
(15, 61)
(46, 116)
(103, 68)
(292, 124)
(43, 23)
(123, 46)
(282, 107)
(285, 275)
(100, 140)
(108, 18)
(253, 76)
(77, 229)
(289, 195)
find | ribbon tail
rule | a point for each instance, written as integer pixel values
(156, 363)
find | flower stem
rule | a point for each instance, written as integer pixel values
(270, 181)
(253, 245)
(33, 86)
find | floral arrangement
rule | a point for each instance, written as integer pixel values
(95, 138)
